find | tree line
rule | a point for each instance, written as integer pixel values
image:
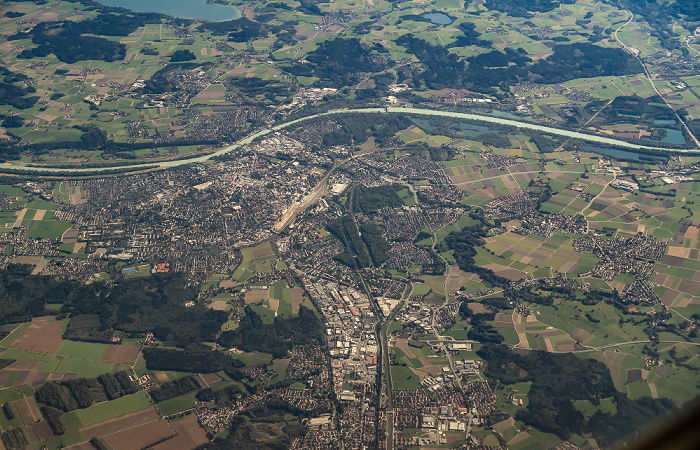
(58, 398)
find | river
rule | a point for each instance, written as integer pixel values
(390, 110)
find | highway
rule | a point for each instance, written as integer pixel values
(86, 171)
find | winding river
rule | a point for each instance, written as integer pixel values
(391, 110)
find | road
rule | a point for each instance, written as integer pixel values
(603, 347)
(646, 73)
(83, 171)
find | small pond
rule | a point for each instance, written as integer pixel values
(438, 18)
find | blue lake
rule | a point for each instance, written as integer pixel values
(438, 18)
(673, 136)
(186, 9)
(620, 154)
(614, 152)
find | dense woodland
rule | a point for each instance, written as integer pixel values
(182, 55)
(275, 338)
(172, 389)
(23, 296)
(12, 91)
(132, 306)
(560, 379)
(365, 247)
(14, 439)
(154, 304)
(524, 8)
(487, 71)
(369, 200)
(338, 62)
(464, 243)
(357, 128)
(479, 328)
(84, 392)
(195, 358)
(663, 15)
(73, 41)
(355, 255)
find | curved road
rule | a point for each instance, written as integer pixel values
(391, 110)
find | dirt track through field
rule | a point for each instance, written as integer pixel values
(20, 218)
(140, 437)
(28, 411)
(120, 423)
(652, 388)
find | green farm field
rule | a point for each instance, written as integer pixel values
(114, 408)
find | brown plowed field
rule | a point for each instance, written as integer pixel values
(140, 437)
(43, 430)
(42, 336)
(580, 335)
(32, 438)
(503, 318)
(189, 435)
(402, 344)
(5, 377)
(209, 378)
(120, 423)
(26, 364)
(477, 308)
(28, 411)
(118, 354)
(263, 253)
(297, 298)
(256, 296)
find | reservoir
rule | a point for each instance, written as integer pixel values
(438, 18)
(623, 154)
(186, 9)
(673, 136)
